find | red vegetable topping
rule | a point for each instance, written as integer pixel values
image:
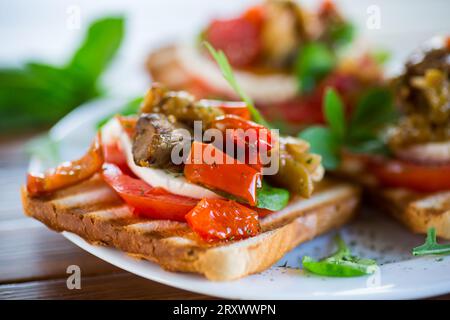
(155, 203)
(68, 173)
(209, 166)
(217, 219)
(238, 38)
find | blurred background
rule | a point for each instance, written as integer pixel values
(50, 63)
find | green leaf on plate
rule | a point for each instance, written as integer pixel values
(341, 264)
(431, 247)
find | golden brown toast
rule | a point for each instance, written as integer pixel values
(93, 211)
(418, 211)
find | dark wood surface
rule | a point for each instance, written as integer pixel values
(33, 259)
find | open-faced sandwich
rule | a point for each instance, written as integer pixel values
(284, 56)
(403, 157)
(153, 187)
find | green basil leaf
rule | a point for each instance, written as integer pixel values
(341, 264)
(271, 198)
(374, 109)
(102, 41)
(342, 34)
(334, 113)
(324, 143)
(314, 62)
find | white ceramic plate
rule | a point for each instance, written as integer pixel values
(372, 235)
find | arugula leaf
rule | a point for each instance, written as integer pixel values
(131, 107)
(39, 94)
(314, 62)
(431, 246)
(227, 72)
(334, 113)
(324, 143)
(271, 198)
(341, 264)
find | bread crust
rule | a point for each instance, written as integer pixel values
(417, 211)
(94, 212)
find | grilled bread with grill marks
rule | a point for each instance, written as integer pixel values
(93, 211)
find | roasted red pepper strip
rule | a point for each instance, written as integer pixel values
(218, 219)
(237, 108)
(215, 169)
(230, 121)
(155, 203)
(68, 173)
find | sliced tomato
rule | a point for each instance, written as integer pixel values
(218, 219)
(150, 202)
(238, 38)
(209, 166)
(113, 154)
(255, 14)
(68, 173)
(422, 178)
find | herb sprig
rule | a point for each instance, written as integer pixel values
(39, 94)
(359, 134)
(227, 72)
(341, 264)
(431, 247)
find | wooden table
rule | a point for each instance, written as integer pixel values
(33, 259)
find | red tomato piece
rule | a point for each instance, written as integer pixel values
(422, 178)
(113, 154)
(68, 173)
(218, 219)
(238, 38)
(209, 166)
(155, 203)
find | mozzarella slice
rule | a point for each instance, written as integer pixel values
(113, 132)
(265, 88)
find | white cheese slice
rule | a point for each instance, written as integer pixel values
(113, 132)
(265, 88)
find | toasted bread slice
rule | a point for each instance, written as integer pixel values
(93, 211)
(417, 211)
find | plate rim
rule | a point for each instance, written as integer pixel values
(107, 106)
